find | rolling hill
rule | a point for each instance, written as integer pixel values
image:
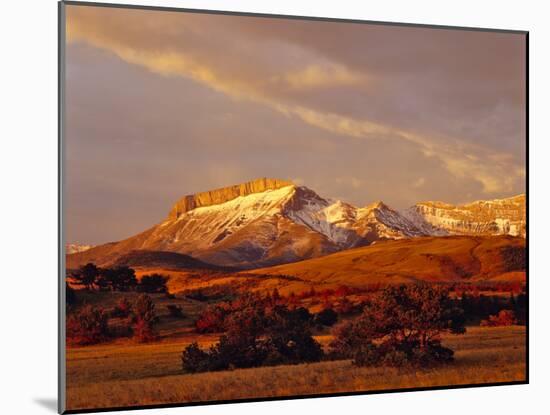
(431, 259)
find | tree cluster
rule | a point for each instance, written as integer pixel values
(478, 308)
(120, 278)
(90, 325)
(400, 326)
(213, 318)
(257, 335)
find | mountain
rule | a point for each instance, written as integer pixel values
(73, 248)
(432, 259)
(161, 259)
(483, 217)
(268, 222)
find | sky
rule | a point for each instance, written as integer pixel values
(163, 104)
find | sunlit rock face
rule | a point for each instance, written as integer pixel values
(483, 217)
(225, 194)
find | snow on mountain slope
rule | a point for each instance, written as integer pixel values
(483, 217)
(379, 221)
(269, 221)
(73, 248)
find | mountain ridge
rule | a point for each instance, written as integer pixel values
(266, 222)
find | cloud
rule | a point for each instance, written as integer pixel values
(293, 75)
(419, 182)
(322, 76)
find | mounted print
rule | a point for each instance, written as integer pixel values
(260, 207)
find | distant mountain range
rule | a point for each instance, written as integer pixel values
(268, 222)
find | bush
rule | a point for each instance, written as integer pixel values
(503, 318)
(122, 309)
(327, 317)
(154, 283)
(144, 319)
(211, 320)
(87, 326)
(70, 295)
(174, 311)
(194, 359)
(402, 325)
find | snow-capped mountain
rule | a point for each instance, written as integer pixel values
(483, 217)
(73, 248)
(269, 221)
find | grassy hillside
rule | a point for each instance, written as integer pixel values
(453, 258)
(432, 259)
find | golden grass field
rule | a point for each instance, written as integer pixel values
(115, 375)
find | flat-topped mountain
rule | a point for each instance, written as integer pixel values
(267, 222)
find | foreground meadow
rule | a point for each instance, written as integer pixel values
(116, 375)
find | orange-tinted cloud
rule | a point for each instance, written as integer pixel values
(281, 65)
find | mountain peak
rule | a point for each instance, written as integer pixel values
(225, 194)
(377, 205)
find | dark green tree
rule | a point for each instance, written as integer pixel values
(120, 278)
(86, 276)
(154, 283)
(401, 325)
(326, 317)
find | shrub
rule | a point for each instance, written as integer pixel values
(174, 311)
(70, 295)
(87, 326)
(154, 283)
(211, 320)
(122, 309)
(194, 359)
(144, 319)
(327, 317)
(401, 325)
(503, 318)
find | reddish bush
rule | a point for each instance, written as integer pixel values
(144, 319)
(211, 320)
(122, 309)
(503, 318)
(87, 326)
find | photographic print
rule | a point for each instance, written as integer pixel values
(266, 207)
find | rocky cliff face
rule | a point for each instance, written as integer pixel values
(224, 194)
(483, 217)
